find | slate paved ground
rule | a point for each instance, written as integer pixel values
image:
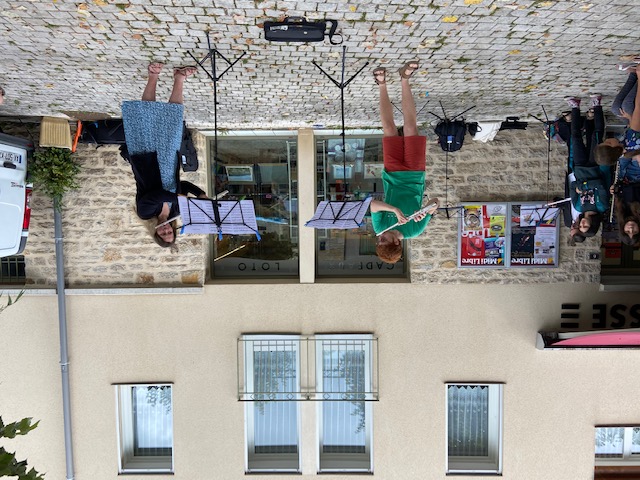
(505, 56)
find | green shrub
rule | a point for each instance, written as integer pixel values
(53, 172)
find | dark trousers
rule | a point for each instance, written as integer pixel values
(626, 98)
(579, 151)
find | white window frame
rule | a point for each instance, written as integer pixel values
(128, 462)
(271, 462)
(628, 459)
(345, 462)
(492, 463)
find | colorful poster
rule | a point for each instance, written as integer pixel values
(494, 235)
(483, 230)
(534, 235)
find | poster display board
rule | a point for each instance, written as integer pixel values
(534, 235)
(499, 235)
(482, 235)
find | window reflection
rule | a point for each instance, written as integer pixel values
(265, 171)
(350, 253)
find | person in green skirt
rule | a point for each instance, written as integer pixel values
(403, 176)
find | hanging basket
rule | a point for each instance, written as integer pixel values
(55, 132)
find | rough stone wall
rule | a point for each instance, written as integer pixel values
(105, 243)
(512, 168)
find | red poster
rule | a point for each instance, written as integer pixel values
(482, 235)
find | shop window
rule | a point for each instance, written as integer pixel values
(474, 428)
(351, 253)
(145, 428)
(262, 169)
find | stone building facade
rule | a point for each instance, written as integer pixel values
(106, 244)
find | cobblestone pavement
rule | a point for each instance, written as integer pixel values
(505, 56)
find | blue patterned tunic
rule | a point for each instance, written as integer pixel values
(155, 127)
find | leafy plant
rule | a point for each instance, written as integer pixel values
(10, 301)
(54, 172)
(9, 466)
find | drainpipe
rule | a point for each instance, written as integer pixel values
(64, 351)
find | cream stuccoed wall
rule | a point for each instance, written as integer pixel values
(428, 335)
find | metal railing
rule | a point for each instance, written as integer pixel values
(339, 367)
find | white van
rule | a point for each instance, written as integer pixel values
(15, 194)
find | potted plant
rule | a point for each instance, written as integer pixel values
(53, 172)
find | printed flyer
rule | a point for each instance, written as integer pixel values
(534, 235)
(483, 230)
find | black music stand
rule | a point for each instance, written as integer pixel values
(215, 78)
(228, 216)
(207, 216)
(547, 125)
(448, 206)
(343, 214)
(339, 215)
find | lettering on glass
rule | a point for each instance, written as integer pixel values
(570, 311)
(257, 266)
(602, 316)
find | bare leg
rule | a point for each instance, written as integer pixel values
(149, 94)
(179, 76)
(408, 110)
(386, 113)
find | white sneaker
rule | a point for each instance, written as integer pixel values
(573, 102)
(596, 99)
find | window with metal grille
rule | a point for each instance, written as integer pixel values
(145, 428)
(272, 418)
(278, 372)
(343, 380)
(12, 270)
(474, 428)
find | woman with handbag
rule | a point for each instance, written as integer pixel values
(153, 133)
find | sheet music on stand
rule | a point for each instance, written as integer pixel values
(533, 215)
(233, 217)
(339, 215)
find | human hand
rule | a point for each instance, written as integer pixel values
(433, 207)
(420, 216)
(401, 218)
(574, 229)
(203, 195)
(624, 114)
(611, 189)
